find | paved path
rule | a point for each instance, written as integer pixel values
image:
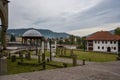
(98, 71)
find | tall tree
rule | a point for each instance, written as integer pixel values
(72, 39)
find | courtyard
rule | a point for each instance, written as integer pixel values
(31, 65)
(95, 71)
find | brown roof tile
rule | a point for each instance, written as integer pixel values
(103, 35)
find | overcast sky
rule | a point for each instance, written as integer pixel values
(79, 17)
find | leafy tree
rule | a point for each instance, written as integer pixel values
(117, 31)
(72, 39)
(67, 41)
(60, 41)
(78, 41)
(12, 38)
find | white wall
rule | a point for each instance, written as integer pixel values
(105, 45)
(70, 47)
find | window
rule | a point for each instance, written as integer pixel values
(106, 42)
(95, 41)
(103, 47)
(114, 48)
(98, 47)
(111, 42)
(103, 42)
(114, 42)
(98, 42)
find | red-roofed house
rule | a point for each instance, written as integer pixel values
(103, 41)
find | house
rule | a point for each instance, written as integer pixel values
(103, 41)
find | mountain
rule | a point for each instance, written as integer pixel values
(112, 31)
(46, 33)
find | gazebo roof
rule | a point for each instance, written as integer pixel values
(32, 33)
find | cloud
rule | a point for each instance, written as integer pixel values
(49, 14)
(87, 31)
(64, 15)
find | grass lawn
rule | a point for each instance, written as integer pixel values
(92, 56)
(95, 56)
(14, 68)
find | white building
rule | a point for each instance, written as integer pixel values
(70, 46)
(103, 41)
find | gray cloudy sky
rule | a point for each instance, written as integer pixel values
(79, 17)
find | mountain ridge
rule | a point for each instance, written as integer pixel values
(45, 32)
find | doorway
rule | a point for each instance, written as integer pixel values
(108, 49)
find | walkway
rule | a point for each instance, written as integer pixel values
(98, 71)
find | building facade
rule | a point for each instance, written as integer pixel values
(103, 41)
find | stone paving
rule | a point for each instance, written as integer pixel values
(96, 71)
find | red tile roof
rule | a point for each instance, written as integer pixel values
(103, 35)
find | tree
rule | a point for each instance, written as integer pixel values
(72, 39)
(12, 38)
(117, 31)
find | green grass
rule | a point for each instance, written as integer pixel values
(93, 56)
(14, 68)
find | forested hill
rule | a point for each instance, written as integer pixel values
(44, 32)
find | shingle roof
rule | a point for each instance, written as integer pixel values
(103, 35)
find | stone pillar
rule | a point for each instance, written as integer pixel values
(3, 36)
(56, 51)
(74, 60)
(50, 50)
(39, 60)
(48, 46)
(55, 45)
(71, 52)
(43, 56)
(3, 66)
(65, 51)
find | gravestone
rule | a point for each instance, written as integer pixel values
(13, 58)
(21, 57)
(65, 51)
(74, 60)
(71, 52)
(3, 66)
(39, 58)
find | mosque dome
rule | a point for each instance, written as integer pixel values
(32, 33)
